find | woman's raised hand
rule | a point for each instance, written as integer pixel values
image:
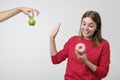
(55, 31)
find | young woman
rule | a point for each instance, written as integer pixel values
(4, 15)
(94, 63)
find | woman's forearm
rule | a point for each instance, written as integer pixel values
(53, 49)
(91, 66)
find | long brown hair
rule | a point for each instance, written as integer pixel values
(97, 36)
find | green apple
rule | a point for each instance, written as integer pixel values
(31, 22)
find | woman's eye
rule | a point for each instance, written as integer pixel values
(83, 24)
(91, 26)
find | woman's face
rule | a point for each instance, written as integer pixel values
(88, 27)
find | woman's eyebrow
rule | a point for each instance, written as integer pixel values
(89, 23)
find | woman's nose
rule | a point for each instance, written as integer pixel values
(86, 27)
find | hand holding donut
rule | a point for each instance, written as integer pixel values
(80, 48)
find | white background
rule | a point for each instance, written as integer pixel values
(24, 50)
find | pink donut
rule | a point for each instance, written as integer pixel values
(80, 47)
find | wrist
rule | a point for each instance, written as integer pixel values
(51, 37)
(86, 61)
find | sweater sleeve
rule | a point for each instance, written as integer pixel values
(62, 54)
(103, 67)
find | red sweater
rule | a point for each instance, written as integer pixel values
(76, 69)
